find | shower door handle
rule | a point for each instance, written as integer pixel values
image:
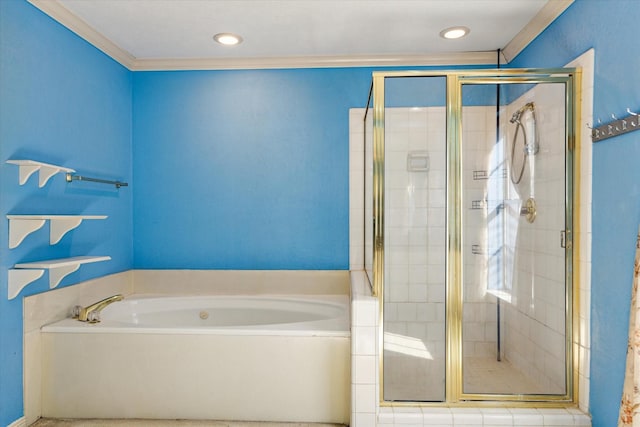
(564, 242)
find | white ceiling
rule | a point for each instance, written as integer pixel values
(147, 34)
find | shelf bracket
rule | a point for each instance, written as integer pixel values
(19, 229)
(25, 171)
(59, 227)
(45, 170)
(23, 274)
(20, 226)
(57, 274)
(18, 279)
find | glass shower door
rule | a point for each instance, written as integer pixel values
(414, 239)
(514, 327)
(471, 224)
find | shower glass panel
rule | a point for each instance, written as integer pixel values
(470, 225)
(514, 332)
(415, 239)
(368, 191)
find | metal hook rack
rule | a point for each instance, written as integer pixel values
(615, 127)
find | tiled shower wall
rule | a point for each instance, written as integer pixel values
(479, 313)
(415, 200)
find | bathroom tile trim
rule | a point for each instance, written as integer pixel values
(364, 348)
(485, 417)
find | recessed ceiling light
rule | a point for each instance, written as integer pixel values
(454, 32)
(228, 39)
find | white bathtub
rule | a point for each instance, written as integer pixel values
(319, 315)
(253, 358)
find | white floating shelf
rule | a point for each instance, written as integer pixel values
(24, 273)
(45, 170)
(20, 226)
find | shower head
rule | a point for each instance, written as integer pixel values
(515, 118)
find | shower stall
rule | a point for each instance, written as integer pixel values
(468, 233)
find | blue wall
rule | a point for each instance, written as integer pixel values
(243, 169)
(612, 29)
(66, 103)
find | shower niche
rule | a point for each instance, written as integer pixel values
(468, 241)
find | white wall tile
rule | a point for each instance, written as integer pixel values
(364, 340)
(437, 416)
(527, 417)
(364, 369)
(557, 417)
(466, 417)
(365, 419)
(365, 399)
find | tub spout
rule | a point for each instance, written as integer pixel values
(91, 313)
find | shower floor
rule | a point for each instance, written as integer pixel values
(415, 380)
(488, 376)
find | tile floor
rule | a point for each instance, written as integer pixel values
(487, 375)
(46, 422)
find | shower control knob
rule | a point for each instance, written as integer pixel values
(529, 210)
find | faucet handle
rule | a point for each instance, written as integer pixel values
(75, 311)
(93, 317)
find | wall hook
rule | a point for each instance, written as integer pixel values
(615, 127)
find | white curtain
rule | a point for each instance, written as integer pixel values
(630, 403)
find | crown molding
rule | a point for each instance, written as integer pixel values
(455, 58)
(58, 12)
(537, 25)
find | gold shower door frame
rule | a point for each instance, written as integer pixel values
(454, 394)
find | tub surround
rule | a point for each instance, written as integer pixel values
(52, 306)
(244, 282)
(280, 378)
